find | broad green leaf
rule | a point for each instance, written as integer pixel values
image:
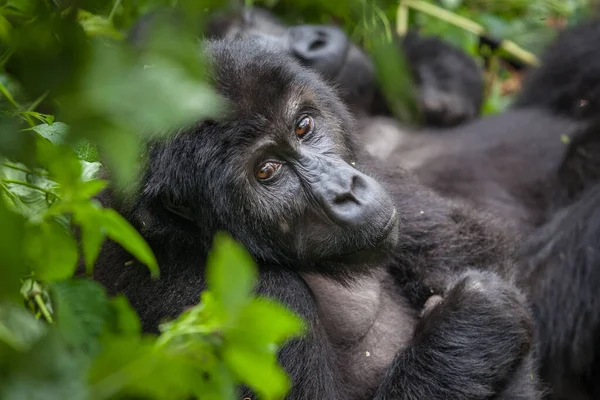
(91, 188)
(18, 328)
(61, 163)
(125, 321)
(90, 170)
(258, 368)
(130, 366)
(86, 151)
(267, 322)
(92, 237)
(55, 133)
(118, 229)
(95, 25)
(51, 251)
(12, 264)
(230, 274)
(49, 370)
(81, 312)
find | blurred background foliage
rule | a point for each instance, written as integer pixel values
(74, 97)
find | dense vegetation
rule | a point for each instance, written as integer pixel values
(74, 95)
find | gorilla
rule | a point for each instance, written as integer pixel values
(487, 161)
(561, 264)
(519, 166)
(406, 294)
(449, 83)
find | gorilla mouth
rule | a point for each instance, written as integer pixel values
(376, 249)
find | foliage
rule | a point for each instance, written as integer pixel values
(72, 91)
(74, 97)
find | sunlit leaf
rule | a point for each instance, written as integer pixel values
(119, 230)
(55, 133)
(231, 274)
(51, 251)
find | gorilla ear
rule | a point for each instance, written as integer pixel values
(580, 168)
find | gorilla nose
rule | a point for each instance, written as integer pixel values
(320, 47)
(349, 197)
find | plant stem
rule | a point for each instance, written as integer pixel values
(466, 24)
(37, 102)
(42, 306)
(114, 9)
(29, 185)
(402, 19)
(9, 97)
(17, 168)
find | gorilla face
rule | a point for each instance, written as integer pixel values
(277, 171)
(325, 49)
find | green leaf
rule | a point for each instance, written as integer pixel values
(230, 274)
(81, 312)
(90, 170)
(51, 251)
(118, 229)
(125, 320)
(95, 25)
(258, 369)
(86, 151)
(266, 322)
(18, 328)
(55, 133)
(12, 265)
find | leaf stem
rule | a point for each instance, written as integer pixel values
(114, 10)
(9, 97)
(37, 102)
(42, 306)
(470, 26)
(17, 168)
(402, 19)
(29, 185)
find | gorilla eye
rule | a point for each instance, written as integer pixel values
(267, 170)
(304, 126)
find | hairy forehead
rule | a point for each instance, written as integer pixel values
(257, 78)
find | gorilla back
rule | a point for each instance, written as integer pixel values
(365, 266)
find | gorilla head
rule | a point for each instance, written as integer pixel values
(325, 49)
(285, 161)
(449, 84)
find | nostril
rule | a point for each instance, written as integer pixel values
(316, 44)
(349, 195)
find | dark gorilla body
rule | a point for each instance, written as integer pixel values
(365, 268)
(517, 166)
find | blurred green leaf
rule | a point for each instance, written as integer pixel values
(12, 265)
(81, 312)
(125, 320)
(231, 274)
(55, 133)
(51, 251)
(18, 328)
(118, 229)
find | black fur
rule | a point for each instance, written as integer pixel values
(475, 344)
(449, 82)
(568, 82)
(512, 165)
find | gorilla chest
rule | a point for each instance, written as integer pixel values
(368, 321)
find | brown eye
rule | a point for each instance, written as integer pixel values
(304, 126)
(267, 170)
